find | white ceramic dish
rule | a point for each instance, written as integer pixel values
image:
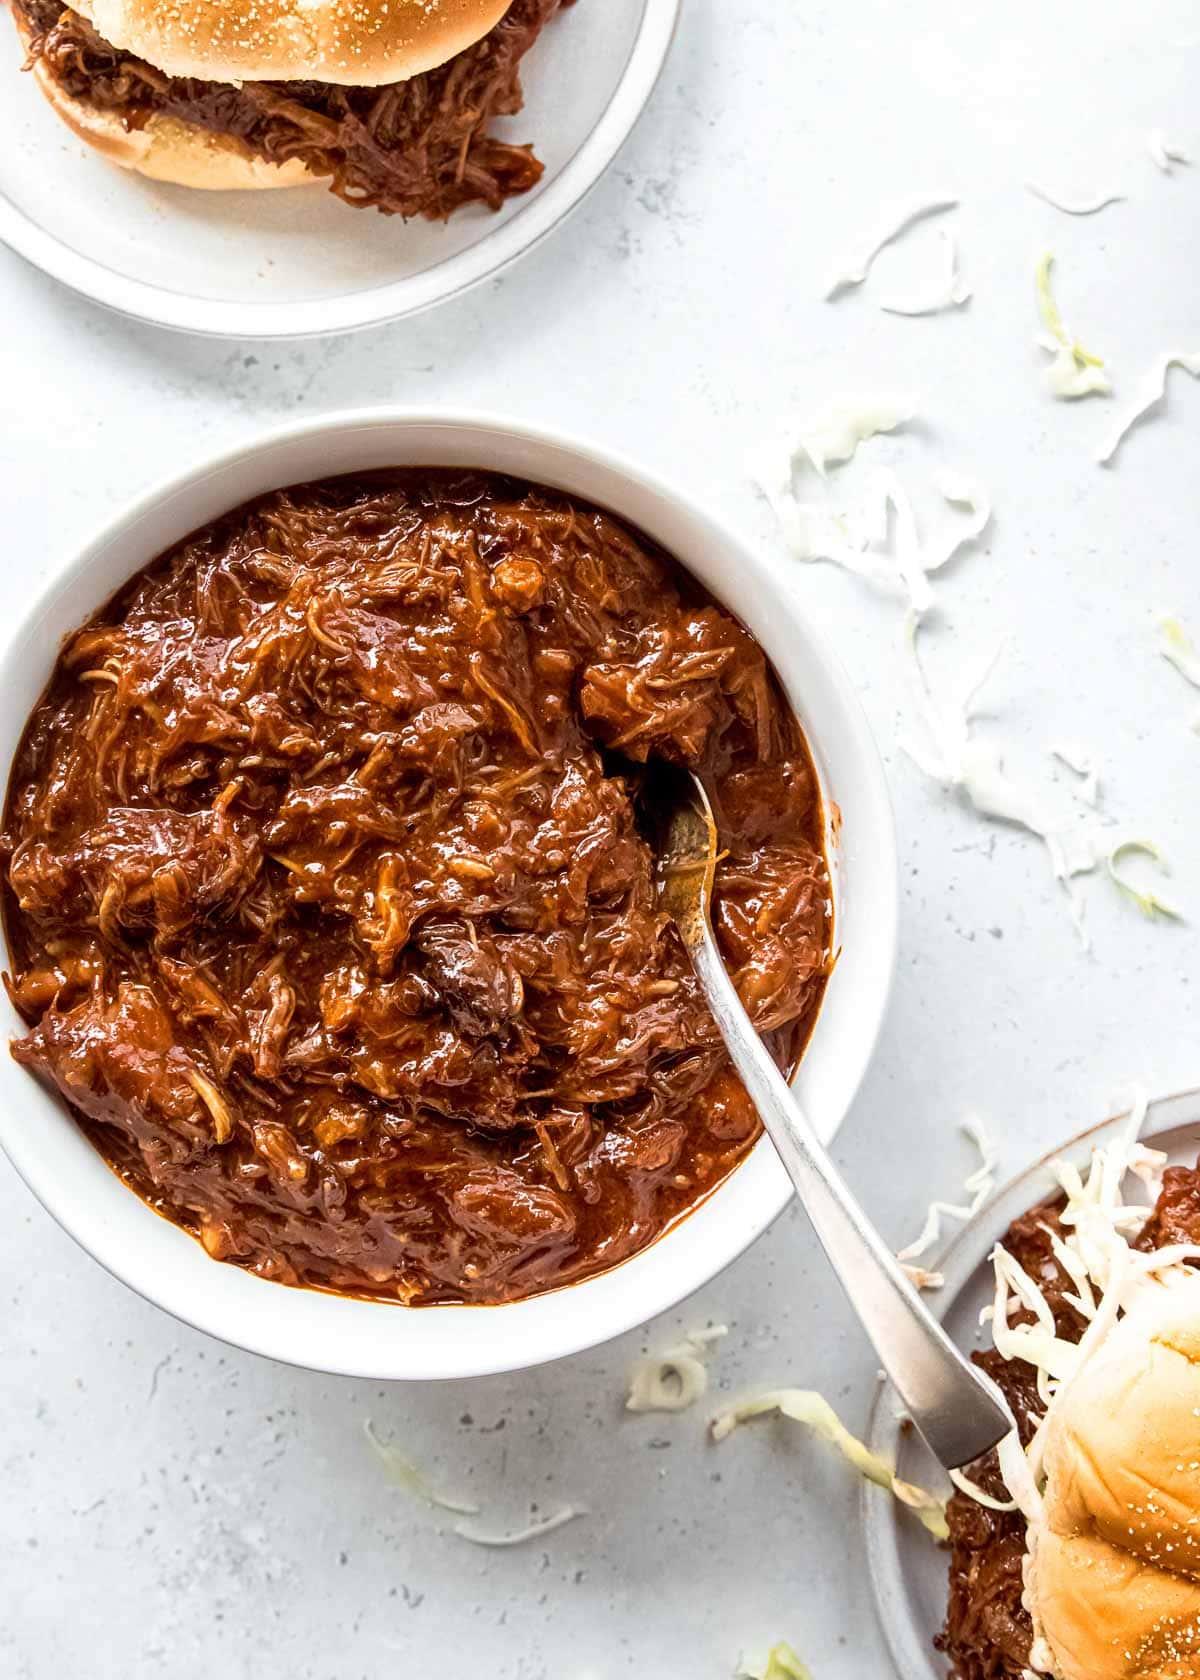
(288, 264)
(380, 1340)
(908, 1573)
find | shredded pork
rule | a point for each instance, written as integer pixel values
(415, 148)
(331, 908)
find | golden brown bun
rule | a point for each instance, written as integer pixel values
(1122, 1451)
(359, 43)
(168, 150)
(1106, 1616)
(1116, 1564)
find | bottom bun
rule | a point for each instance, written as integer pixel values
(169, 150)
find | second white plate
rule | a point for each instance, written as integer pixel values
(295, 263)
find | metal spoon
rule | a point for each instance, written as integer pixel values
(958, 1411)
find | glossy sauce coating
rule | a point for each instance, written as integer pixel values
(330, 909)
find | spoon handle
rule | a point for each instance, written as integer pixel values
(951, 1403)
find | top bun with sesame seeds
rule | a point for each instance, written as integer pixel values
(1114, 1569)
(164, 149)
(389, 103)
(352, 43)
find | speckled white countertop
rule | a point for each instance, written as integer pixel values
(171, 1507)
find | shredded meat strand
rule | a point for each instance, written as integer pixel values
(330, 907)
(988, 1634)
(415, 148)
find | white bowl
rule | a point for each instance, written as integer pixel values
(289, 264)
(372, 1339)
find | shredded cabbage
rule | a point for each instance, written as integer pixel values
(1179, 650)
(820, 531)
(920, 1277)
(1073, 371)
(1075, 206)
(520, 1536)
(879, 540)
(782, 1664)
(1153, 392)
(976, 770)
(406, 1475)
(960, 492)
(813, 1410)
(1038, 1344)
(898, 221)
(952, 293)
(978, 1185)
(1085, 764)
(896, 518)
(1018, 1477)
(1165, 152)
(964, 1484)
(675, 1379)
(832, 436)
(1148, 902)
(1069, 378)
(815, 531)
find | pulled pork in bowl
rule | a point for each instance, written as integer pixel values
(330, 907)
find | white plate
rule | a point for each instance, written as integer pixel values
(908, 1573)
(285, 264)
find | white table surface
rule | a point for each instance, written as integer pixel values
(172, 1507)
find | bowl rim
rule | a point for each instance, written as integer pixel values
(266, 320)
(690, 1253)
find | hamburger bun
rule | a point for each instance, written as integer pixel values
(1105, 1616)
(1115, 1571)
(356, 43)
(166, 149)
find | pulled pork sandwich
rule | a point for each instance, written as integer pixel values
(1075, 1549)
(388, 102)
